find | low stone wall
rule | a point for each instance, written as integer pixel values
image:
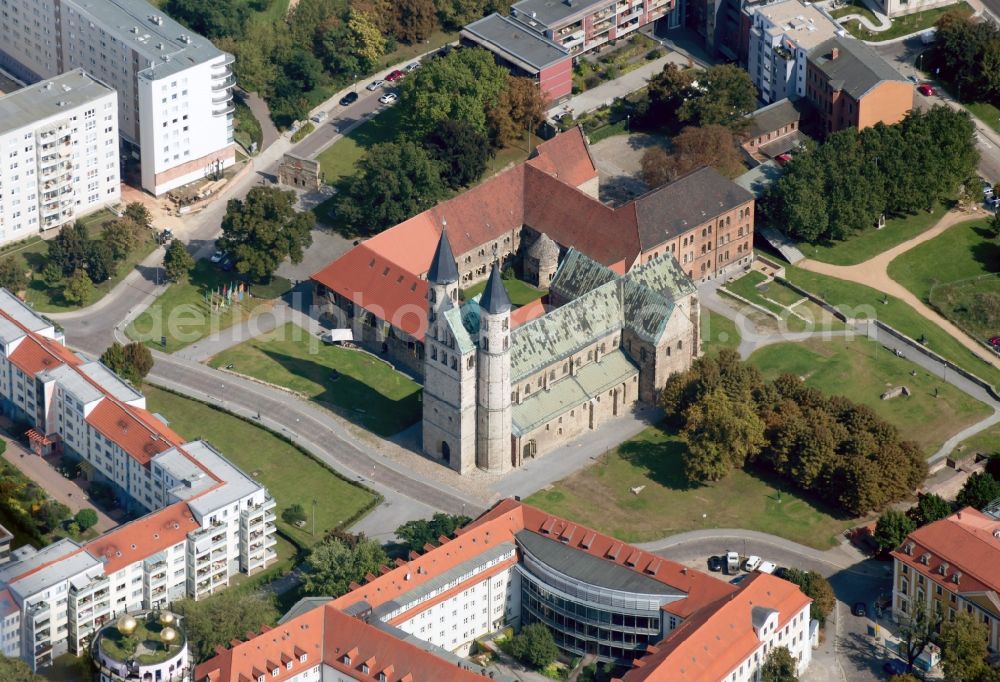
(817, 300)
(753, 305)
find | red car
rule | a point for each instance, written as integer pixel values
(995, 342)
(394, 76)
(925, 89)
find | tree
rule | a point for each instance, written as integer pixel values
(535, 646)
(415, 20)
(14, 273)
(723, 95)
(352, 47)
(132, 361)
(394, 181)
(16, 670)
(779, 666)
(223, 617)
(294, 515)
(994, 225)
(69, 249)
(462, 86)
(122, 236)
(137, 212)
(422, 532)
(721, 434)
(521, 108)
(86, 518)
(51, 514)
(930, 508)
(916, 631)
(461, 151)
(963, 648)
(101, 264)
(262, 230)
(52, 274)
(667, 91)
(657, 167)
(817, 588)
(177, 262)
(892, 528)
(210, 18)
(78, 288)
(979, 490)
(332, 566)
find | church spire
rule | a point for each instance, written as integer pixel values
(443, 269)
(494, 299)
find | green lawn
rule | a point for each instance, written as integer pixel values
(861, 370)
(854, 7)
(987, 441)
(355, 384)
(600, 496)
(864, 302)
(520, 293)
(868, 244)
(912, 23)
(183, 315)
(964, 251)
(969, 304)
(338, 159)
(717, 332)
(779, 298)
(290, 475)
(48, 299)
(985, 112)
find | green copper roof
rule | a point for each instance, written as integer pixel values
(578, 275)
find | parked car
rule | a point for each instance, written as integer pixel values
(164, 237)
(394, 76)
(894, 666)
(388, 98)
(782, 159)
(375, 85)
(348, 99)
(217, 256)
(860, 609)
(319, 117)
(995, 342)
(987, 188)
(412, 66)
(925, 89)
(766, 567)
(227, 264)
(738, 579)
(732, 562)
(753, 562)
(715, 564)
(913, 79)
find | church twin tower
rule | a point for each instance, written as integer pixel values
(467, 391)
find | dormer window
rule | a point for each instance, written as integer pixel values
(260, 679)
(288, 666)
(347, 660)
(364, 668)
(302, 658)
(381, 677)
(275, 671)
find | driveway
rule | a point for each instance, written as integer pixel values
(619, 165)
(57, 486)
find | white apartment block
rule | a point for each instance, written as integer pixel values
(175, 109)
(781, 36)
(58, 154)
(203, 521)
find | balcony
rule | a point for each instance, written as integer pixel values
(223, 83)
(230, 108)
(222, 97)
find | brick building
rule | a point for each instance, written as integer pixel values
(850, 85)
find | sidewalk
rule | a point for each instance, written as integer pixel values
(57, 486)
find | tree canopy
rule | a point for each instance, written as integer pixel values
(332, 565)
(837, 189)
(177, 262)
(259, 232)
(535, 645)
(14, 273)
(85, 518)
(892, 528)
(223, 617)
(979, 490)
(817, 588)
(721, 95)
(694, 147)
(133, 361)
(422, 532)
(16, 670)
(963, 648)
(779, 666)
(461, 151)
(930, 508)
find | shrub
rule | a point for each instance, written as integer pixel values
(300, 134)
(86, 518)
(653, 54)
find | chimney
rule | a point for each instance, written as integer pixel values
(834, 53)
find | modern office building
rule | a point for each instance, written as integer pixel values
(175, 109)
(203, 520)
(517, 565)
(58, 153)
(851, 86)
(781, 36)
(948, 567)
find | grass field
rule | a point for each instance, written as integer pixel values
(717, 332)
(971, 305)
(868, 244)
(987, 441)
(600, 496)
(861, 370)
(182, 315)
(355, 384)
(860, 301)
(985, 112)
(290, 475)
(779, 298)
(48, 299)
(520, 293)
(854, 7)
(964, 251)
(905, 25)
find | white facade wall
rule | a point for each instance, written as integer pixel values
(794, 635)
(60, 166)
(10, 635)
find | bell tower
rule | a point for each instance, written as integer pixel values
(493, 408)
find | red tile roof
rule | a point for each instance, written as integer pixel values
(561, 157)
(711, 644)
(965, 541)
(140, 437)
(36, 354)
(526, 313)
(143, 537)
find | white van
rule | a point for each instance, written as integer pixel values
(753, 562)
(767, 567)
(732, 562)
